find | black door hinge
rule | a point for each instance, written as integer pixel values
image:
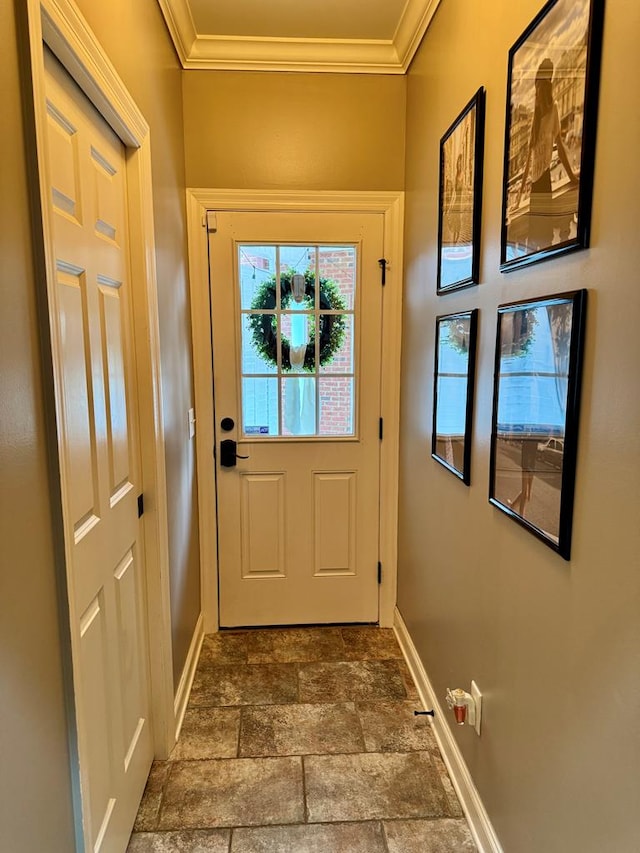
(140, 505)
(383, 266)
(379, 572)
(380, 428)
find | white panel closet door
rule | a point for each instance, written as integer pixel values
(97, 415)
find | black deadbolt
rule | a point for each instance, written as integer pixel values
(227, 424)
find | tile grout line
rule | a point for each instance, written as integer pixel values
(383, 832)
(162, 793)
(304, 791)
(359, 718)
(305, 806)
(239, 738)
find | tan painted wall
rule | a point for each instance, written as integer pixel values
(35, 803)
(251, 130)
(554, 646)
(135, 38)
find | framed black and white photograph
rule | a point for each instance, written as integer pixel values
(535, 414)
(460, 200)
(453, 388)
(552, 98)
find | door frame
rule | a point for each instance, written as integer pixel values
(201, 202)
(59, 25)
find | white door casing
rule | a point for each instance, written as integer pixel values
(99, 453)
(298, 518)
(390, 205)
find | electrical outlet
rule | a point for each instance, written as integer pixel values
(477, 701)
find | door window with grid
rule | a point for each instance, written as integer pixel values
(298, 322)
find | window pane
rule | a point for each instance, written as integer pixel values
(259, 343)
(298, 405)
(298, 347)
(260, 406)
(336, 343)
(338, 263)
(256, 267)
(297, 276)
(336, 406)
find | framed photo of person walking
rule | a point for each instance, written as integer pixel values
(460, 200)
(552, 102)
(536, 403)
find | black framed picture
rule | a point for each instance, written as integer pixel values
(453, 388)
(552, 101)
(460, 200)
(536, 406)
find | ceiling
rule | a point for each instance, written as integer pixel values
(358, 36)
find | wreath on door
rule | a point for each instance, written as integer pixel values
(332, 327)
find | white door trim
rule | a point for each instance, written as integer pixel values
(391, 205)
(59, 25)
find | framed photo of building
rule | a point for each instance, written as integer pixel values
(552, 101)
(460, 200)
(453, 388)
(536, 406)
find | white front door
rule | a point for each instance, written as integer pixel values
(296, 319)
(90, 305)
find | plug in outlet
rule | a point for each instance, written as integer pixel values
(477, 701)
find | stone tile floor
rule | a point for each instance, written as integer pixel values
(302, 740)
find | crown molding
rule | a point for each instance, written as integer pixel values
(280, 54)
(250, 53)
(177, 15)
(412, 26)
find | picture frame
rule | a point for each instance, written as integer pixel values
(460, 198)
(550, 133)
(536, 407)
(453, 391)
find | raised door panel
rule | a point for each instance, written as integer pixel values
(108, 196)
(97, 739)
(130, 633)
(65, 178)
(334, 530)
(75, 360)
(263, 525)
(115, 383)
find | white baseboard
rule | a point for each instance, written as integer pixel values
(186, 679)
(483, 832)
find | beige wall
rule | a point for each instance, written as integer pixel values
(135, 39)
(553, 645)
(251, 130)
(35, 803)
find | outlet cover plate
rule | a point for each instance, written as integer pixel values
(477, 700)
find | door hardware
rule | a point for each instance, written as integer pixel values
(228, 453)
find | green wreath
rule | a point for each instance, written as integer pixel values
(264, 333)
